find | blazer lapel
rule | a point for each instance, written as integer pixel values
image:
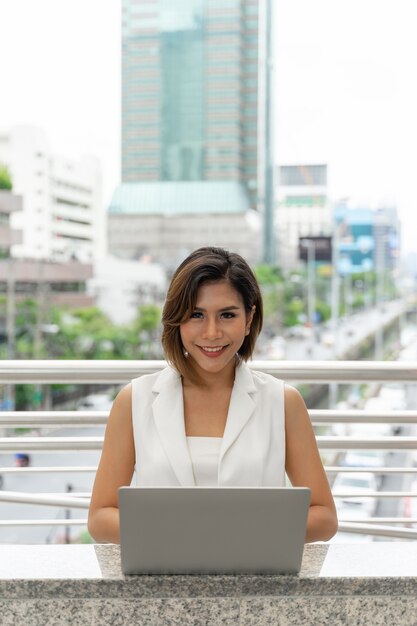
(168, 413)
(241, 408)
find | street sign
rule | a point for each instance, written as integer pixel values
(322, 247)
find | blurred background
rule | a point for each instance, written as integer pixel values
(134, 131)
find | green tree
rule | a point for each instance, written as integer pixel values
(5, 178)
(144, 332)
(272, 286)
(268, 274)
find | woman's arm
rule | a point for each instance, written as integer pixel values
(305, 469)
(115, 470)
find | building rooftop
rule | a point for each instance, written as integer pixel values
(179, 197)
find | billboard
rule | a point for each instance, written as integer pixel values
(322, 247)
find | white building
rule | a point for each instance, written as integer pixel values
(302, 209)
(62, 216)
(121, 286)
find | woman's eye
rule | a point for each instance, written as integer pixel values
(196, 315)
(227, 315)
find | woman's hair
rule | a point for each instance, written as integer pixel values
(207, 265)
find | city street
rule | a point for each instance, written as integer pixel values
(324, 343)
(350, 331)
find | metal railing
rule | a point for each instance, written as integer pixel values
(119, 372)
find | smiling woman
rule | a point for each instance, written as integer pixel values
(216, 329)
(211, 295)
(208, 419)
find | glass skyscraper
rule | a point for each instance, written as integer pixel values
(192, 87)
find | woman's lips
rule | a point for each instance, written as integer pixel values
(212, 353)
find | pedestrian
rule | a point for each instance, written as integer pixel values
(207, 418)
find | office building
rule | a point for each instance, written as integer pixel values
(165, 221)
(302, 209)
(61, 216)
(368, 239)
(192, 87)
(50, 283)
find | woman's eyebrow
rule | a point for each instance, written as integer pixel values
(232, 307)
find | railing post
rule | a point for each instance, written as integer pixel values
(68, 516)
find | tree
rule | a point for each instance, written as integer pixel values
(5, 178)
(144, 331)
(272, 284)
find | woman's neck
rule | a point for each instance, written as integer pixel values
(211, 381)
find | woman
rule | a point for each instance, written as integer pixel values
(208, 419)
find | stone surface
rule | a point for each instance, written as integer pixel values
(168, 612)
(43, 612)
(356, 584)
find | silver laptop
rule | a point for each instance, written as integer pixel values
(212, 530)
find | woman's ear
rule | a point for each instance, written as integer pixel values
(249, 319)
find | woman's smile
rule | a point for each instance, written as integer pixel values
(216, 329)
(212, 352)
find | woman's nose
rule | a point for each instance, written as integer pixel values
(212, 329)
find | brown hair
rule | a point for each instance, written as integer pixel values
(202, 266)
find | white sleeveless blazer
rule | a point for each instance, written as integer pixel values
(252, 452)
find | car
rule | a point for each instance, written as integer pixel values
(22, 459)
(408, 336)
(96, 402)
(350, 490)
(327, 339)
(366, 459)
(373, 429)
(276, 348)
(410, 504)
(299, 332)
(395, 395)
(408, 354)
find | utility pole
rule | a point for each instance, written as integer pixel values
(10, 330)
(269, 204)
(42, 395)
(379, 299)
(311, 273)
(335, 294)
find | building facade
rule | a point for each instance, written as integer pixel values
(59, 284)
(302, 209)
(165, 221)
(61, 216)
(192, 88)
(368, 239)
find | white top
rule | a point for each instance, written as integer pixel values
(204, 454)
(252, 452)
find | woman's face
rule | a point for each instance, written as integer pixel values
(216, 329)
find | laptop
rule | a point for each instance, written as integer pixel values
(212, 530)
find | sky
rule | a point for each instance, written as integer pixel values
(344, 89)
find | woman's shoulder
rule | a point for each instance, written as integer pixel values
(124, 396)
(155, 379)
(263, 379)
(292, 395)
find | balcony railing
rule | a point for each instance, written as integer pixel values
(119, 372)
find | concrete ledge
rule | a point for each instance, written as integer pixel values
(371, 583)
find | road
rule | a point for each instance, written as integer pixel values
(350, 332)
(47, 483)
(394, 507)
